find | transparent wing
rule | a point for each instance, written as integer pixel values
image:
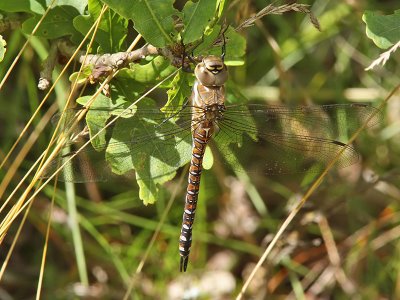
(292, 139)
(143, 139)
(330, 121)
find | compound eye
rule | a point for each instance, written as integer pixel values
(215, 68)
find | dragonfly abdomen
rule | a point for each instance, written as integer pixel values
(207, 98)
(200, 140)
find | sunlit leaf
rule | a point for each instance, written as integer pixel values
(112, 29)
(39, 6)
(208, 159)
(154, 165)
(235, 46)
(97, 116)
(22, 5)
(220, 6)
(153, 19)
(150, 72)
(196, 16)
(58, 22)
(179, 92)
(3, 44)
(383, 30)
(126, 88)
(82, 76)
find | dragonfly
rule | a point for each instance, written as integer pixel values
(294, 139)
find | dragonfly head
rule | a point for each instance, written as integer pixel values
(211, 71)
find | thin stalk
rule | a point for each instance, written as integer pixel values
(76, 234)
(46, 242)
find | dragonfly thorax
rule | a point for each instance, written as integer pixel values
(214, 112)
(212, 71)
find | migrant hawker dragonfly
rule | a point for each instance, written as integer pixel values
(295, 139)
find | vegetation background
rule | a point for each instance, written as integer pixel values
(343, 244)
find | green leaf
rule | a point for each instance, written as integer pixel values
(208, 41)
(221, 7)
(3, 44)
(196, 16)
(153, 19)
(97, 116)
(155, 163)
(79, 5)
(57, 23)
(178, 93)
(112, 30)
(23, 6)
(235, 46)
(126, 88)
(83, 75)
(39, 6)
(151, 72)
(383, 30)
(208, 159)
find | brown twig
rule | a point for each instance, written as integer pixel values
(103, 64)
(119, 59)
(48, 67)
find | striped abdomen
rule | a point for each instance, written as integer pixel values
(201, 136)
(208, 98)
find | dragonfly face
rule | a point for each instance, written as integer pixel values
(211, 72)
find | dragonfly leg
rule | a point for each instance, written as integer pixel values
(186, 67)
(174, 114)
(223, 51)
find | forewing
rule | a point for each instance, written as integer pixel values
(291, 140)
(143, 139)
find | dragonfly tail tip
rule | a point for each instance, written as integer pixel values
(184, 263)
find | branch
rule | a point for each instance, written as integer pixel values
(119, 59)
(48, 67)
(103, 64)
